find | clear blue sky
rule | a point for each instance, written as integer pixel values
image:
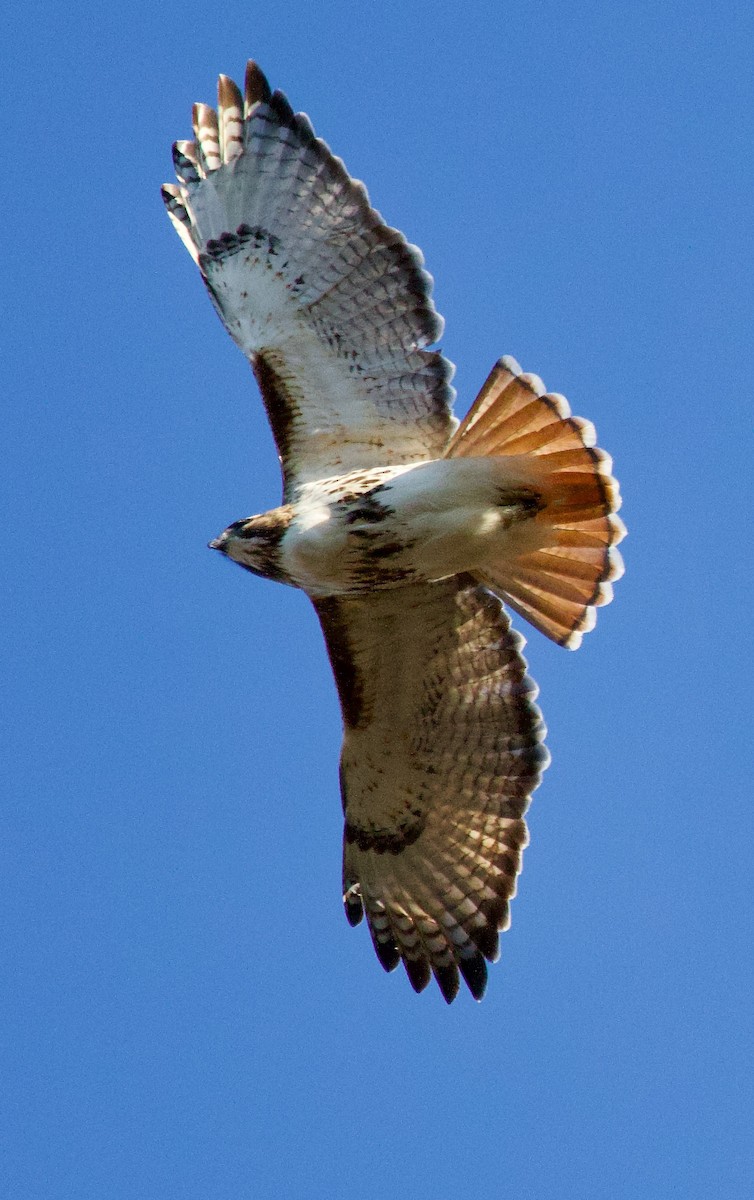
(185, 1012)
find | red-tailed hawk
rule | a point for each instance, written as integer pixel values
(405, 528)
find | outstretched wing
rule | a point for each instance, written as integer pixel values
(331, 306)
(443, 748)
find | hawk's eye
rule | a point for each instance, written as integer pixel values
(243, 529)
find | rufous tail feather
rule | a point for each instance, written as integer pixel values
(568, 557)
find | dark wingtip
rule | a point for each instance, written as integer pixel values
(447, 981)
(353, 905)
(474, 971)
(256, 87)
(418, 973)
(228, 95)
(386, 951)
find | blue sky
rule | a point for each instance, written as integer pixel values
(186, 1013)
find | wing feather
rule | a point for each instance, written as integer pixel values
(332, 307)
(442, 750)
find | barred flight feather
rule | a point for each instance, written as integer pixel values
(444, 687)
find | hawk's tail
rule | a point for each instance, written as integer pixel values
(567, 558)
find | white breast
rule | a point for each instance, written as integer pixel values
(429, 521)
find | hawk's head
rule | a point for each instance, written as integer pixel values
(254, 543)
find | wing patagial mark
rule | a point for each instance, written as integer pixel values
(278, 402)
(348, 681)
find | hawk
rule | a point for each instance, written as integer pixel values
(405, 528)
